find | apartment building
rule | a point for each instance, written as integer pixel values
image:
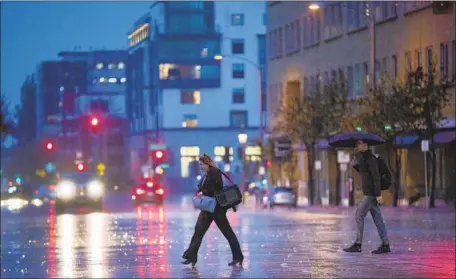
(315, 44)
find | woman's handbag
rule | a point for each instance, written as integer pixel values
(204, 203)
(230, 196)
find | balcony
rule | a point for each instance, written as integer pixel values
(190, 83)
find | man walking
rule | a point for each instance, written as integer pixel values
(365, 163)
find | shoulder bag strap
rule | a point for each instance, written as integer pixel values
(227, 177)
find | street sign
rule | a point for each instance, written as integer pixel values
(343, 167)
(282, 147)
(424, 145)
(318, 165)
(343, 157)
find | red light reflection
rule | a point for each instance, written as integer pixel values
(51, 243)
(139, 248)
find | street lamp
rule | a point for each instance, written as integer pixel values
(260, 81)
(242, 138)
(370, 13)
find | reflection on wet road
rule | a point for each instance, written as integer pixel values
(147, 242)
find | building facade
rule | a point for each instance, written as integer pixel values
(314, 46)
(194, 80)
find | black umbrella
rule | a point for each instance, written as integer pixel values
(349, 139)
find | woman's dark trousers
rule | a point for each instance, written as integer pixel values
(202, 225)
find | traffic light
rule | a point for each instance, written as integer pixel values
(359, 128)
(80, 167)
(159, 157)
(94, 124)
(49, 146)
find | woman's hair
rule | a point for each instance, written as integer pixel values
(206, 159)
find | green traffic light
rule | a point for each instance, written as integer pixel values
(388, 127)
(359, 129)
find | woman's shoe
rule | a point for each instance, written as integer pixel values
(187, 262)
(236, 262)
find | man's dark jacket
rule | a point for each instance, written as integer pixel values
(368, 169)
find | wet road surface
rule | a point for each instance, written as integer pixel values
(148, 242)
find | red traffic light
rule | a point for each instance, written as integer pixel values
(80, 167)
(94, 121)
(49, 146)
(159, 154)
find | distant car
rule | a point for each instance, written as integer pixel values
(281, 196)
(76, 190)
(148, 192)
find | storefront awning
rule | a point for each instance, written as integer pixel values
(443, 137)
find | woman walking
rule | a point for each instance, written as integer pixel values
(211, 184)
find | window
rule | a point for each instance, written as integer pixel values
(342, 76)
(188, 159)
(237, 46)
(366, 75)
(292, 37)
(237, 19)
(418, 58)
(279, 42)
(355, 12)
(326, 79)
(333, 77)
(429, 61)
(453, 51)
(238, 96)
(333, 20)
(313, 86)
(408, 61)
(190, 97)
(121, 65)
(112, 66)
(444, 61)
(238, 119)
(358, 80)
(395, 69)
(350, 79)
(306, 86)
(190, 121)
(384, 69)
(238, 70)
(265, 19)
(377, 68)
(99, 66)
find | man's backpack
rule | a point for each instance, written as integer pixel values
(385, 174)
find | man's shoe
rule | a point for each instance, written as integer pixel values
(383, 249)
(355, 248)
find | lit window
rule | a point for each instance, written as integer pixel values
(102, 80)
(121, 65)
(99, 66)
(164, 70)
(112, 80)
(190, 97)
(190, 121)
(197, 72)
(111, 66)
(237, 19)
(123, 80)
(204, 52)
(190, 151)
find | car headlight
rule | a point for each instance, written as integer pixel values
(95, 189)
(66, 189)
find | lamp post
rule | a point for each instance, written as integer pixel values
(370, 13)
(242, 138)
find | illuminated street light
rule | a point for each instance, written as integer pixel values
(218, 57)
(314, 7)
(242, 137)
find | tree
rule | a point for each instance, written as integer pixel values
(307, 119)
(426, 94)
(25, 131)
(5, 119)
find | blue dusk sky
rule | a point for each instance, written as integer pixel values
(35, 31)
